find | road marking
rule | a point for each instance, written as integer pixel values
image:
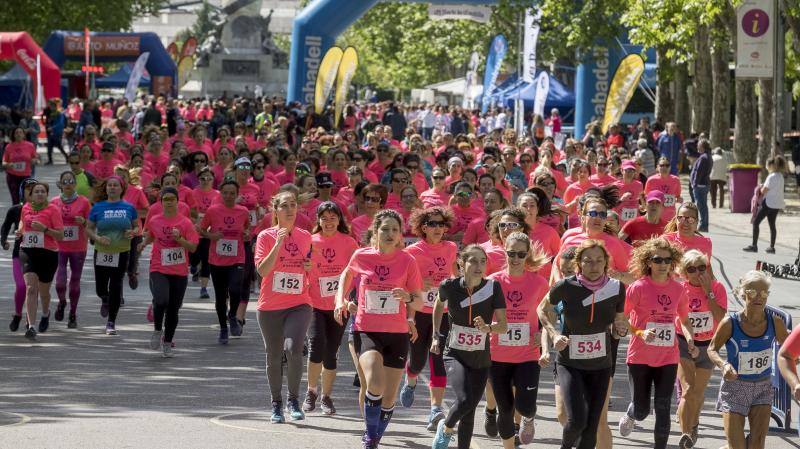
(218, 420)
(23, 419)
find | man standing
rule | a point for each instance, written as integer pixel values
(699, 179)
(669, 145)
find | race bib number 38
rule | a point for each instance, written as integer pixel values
(291, 283)
(381, 303)
(665, 334)
(467, 338)
(754, 362)
(518, 334)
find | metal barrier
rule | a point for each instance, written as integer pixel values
(782, 395)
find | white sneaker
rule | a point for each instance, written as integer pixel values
(526, 430)
(155, 341)
(626, 425)
(167, 351)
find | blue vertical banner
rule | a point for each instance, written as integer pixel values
(494, 60)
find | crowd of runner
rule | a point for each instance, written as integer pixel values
(427, 235)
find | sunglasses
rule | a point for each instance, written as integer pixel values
(400, 181)
(602, 164)
(438, 177)
(244, 167)
(372, 199)
(74, 162)
(751, 293)
(661, 260)
(596, 214)
(508, 225)
(435, 224)
(690, 220)
(700, 268)
(382, 150)
(517, 254)
(547, 184)
(464, 194)
(412, 167)
(67, 182)
(258, 167)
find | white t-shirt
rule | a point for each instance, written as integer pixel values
(774, 196)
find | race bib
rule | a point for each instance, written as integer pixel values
(253, 218)
(410, 240)
(227, 247)
(429, 297)
(18, 166)
(467, 338)
(669, 200)
(665, 334)
(107, 260)
(629, 214)
(518, 334)
(701, 322)
(381, 303)
(172, 256)
(290, 283)
(592, 346)
(32, 239)
(328, 286)
(71, 233)
(754, 363)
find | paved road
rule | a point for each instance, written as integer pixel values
(83, 389)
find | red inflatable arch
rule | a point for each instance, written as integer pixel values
(22, 48)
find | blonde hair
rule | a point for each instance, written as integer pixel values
(751, 277)
(692, 257)
(536, 256)
(586, 245)
(672, 225)
(644, 252)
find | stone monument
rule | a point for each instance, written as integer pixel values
(238, 56)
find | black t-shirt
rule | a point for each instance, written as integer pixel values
(486, 298)
(579, 319)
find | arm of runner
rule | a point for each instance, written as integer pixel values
(722, 335)
(341, 310)
(438, 312)
(787, 363)
(268, 262)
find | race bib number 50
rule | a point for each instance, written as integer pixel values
(32, 239)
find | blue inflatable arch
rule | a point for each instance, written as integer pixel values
(64, 46)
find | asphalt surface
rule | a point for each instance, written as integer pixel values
(82, 389)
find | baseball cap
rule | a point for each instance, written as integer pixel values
(454, 160)
(629, 164)
(655, 195)
(243, 162)
(324, 179)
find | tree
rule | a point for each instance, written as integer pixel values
(201, 26)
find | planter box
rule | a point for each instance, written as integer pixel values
(743, 182)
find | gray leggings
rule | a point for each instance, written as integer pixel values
(284, 331)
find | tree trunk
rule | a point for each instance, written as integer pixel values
(665, 108)
(766, 120)
(683, 115)
(720, 131)
(702, 83)
(745, 147)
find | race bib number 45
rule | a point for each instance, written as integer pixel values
(467, 338)
(590, 346)
(665, 334)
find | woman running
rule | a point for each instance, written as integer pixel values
(532, 202)
(112, 224)
(135, 196)
(205, 194)
(249, 197)
(436, 260)
(390, 288)
(173, 236)
(652, 305)
(40, 230)
(476, 230)
(12, 220)
(682, 230)
(333, 247)
(669, 184)
(476, 308)
(226, 228)
(589, 303)
(748, 336)
(514, 374)
(72, 249)
(708, 303)
(19, 156)
(282, 260)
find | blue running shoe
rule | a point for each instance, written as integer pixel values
(277, 413)
(437, 414)
(407, 395)
(442, 439)
(223, 337)
(295, 412)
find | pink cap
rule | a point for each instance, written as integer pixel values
(629, 164)
(655, 195)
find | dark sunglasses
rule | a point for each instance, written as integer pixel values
(596, 213)
(435, 224)
(400, 181)
(517, 254)
(700, 268)
(507, 225)
(438, 177)
(661, 260)
(382, 150)
(663, 165)
(547, 184)
(464, 194)
(372, 199)
(412, 167)
(67, 182)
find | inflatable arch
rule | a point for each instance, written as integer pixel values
(64, 46)
(315, 30)
(22, 48)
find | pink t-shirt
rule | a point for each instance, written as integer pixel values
(792, 344)
(158, 163)
(359, 227)
(546, 237)
(655, 305)
(700, 315)
(286, 285)
(19, 155)
(670, 186)
(495, 257)
(435, 263)
(329, 257)
(74, 233)
(431, 198)
(464, 215)
(523, 295)
(475, 232)
(206, 147)
(157, 209)
(50, 216)
(602, 180)
(378, 310)
(103, 169)
(169, 257)
(619, 251)
(205, 198)
(628, 209)
(698, 242)
(231, 222)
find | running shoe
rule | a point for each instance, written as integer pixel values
(133, 280)
(437, 414)
(694, 434)
(442, 439)
(14, 325)
(235, 327)
(277, 413)
(44, 323)
(30, 334)
(368, 442)
(223, 336)
(295, 412)
(516, 435)
(241, 326)
(204, 293)
(155, 340)
(407, 395)
(326, 403)
(750, 249)
(60, 310)
(166, 350)
(526, 431)
(490, 422)
(150, 316)
(104, 309)
(626, 425)
(685, 442)
(310, 403)
(770, 250)
(73, 321)
(110, 329)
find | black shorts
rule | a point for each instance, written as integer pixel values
(42, 262)
(392, 346)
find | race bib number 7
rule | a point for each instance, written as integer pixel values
(382, 303)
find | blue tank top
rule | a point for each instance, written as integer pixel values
(751, 357)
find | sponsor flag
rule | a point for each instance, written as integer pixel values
(494, 61)
(542, 89)
(172, 49)
(755, 38)
(623, 85)
(189, 47)
(136, 76)
(326, 75)
(469, 79)
(347, 69)
(184, 70)
(529, 46)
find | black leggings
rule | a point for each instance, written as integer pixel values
(249, 271)
(584, 394)
(133, 255)
(200, 257)
(108, 284)
(643, 379)
(420, 350)
(468, 385)
(771, 215)
(227, 282)
(506, 378)
(324, 338)
(168, 291)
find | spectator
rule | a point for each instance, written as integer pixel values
(719, 175)
(152, 116)
(669, 145)
(771, 202)
(646, 157)
(699, 180)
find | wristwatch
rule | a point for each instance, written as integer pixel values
(711, 296)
